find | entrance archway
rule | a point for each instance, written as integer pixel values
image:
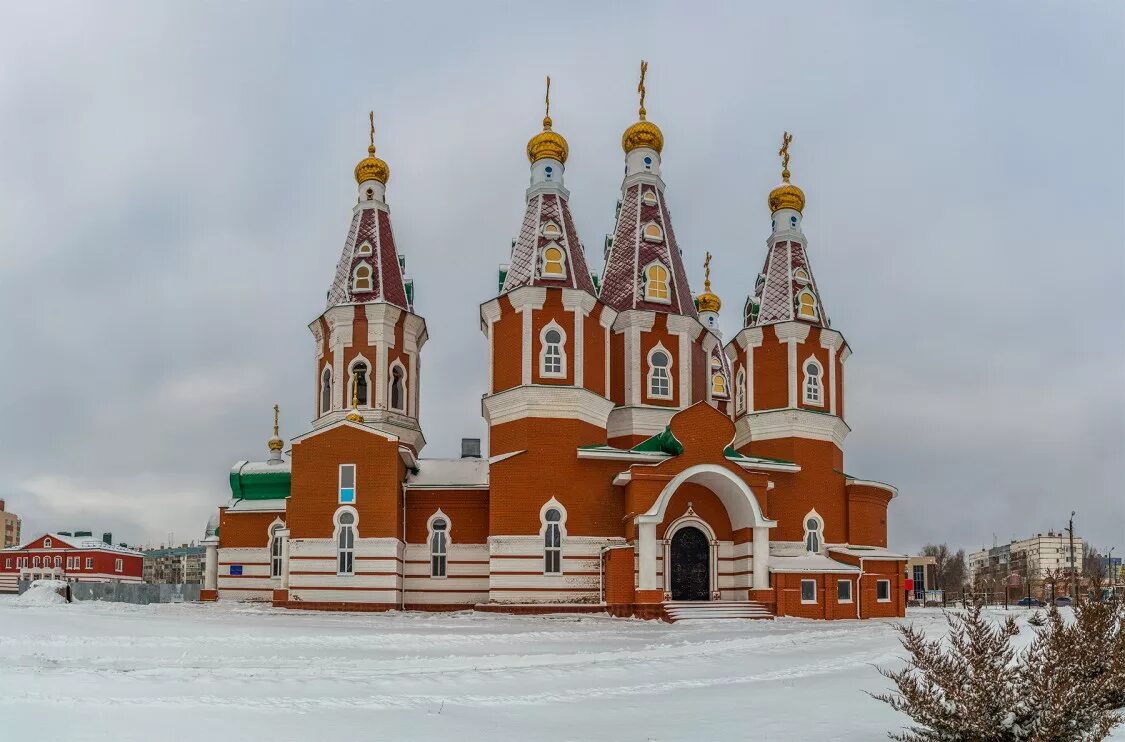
(690, 556)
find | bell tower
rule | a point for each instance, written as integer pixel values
(368, 339)
(659, 364)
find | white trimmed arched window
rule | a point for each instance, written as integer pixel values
(814, 532)
(552, 351)
(326, 390)
(359, 382)
(553, 519)
(275, 549)
(554, 265)
(398, 387)
(361, 278)
(551, 231)
(346, 521)
(660, 373)
(47, 543)
(364, 248)
(740, 391)
(648, 198)
(656, 278)
(813, 386)
(439, 528)
(806, 305)
(652, 232)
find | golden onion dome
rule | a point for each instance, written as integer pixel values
(786, 195)
(707, 301)
(642, 134)
(547, 145)
(276, 444)
(372, 168)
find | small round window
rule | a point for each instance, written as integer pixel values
(812, 370)
(549, 171)
(811, 524)
(793, 220)
(648, 161)
(346, 519)
(553, 516)
(439, 525)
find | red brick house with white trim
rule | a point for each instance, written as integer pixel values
(54, 556)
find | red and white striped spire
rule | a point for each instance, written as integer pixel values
(370, 269)
(644, 268)
(548, 251)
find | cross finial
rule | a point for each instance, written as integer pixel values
(784, 152)
(355, 390)
(547, 106)
(707, 272)
(276, 414)
(371, 119)
(641, 88)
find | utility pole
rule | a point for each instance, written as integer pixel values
(1073, 595)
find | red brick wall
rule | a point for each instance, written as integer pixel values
(507, 346)
(787, 586)
(593, 368)
(552, 310)
(867, 515)
(550, 467)
(467, 511)
(811, 347)
(245, 530)
(617, 367)
(659, 335)
(314, 491)
(706, 505)
(819, 485)
(619, 576)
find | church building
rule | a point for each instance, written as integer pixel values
(637, 462)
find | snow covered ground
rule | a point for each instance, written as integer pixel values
(214, 672)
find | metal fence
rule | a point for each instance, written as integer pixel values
(137, 593)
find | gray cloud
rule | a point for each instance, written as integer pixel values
(176, 186)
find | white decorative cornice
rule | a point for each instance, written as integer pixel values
(831, 339)
(414, 334)
(607, 317)
(845, 352)
(381, 321)
(546, 401)
(489, 313)
(528, 297)
(709, 342)
(681, 324)
(643, 420)
(872, 483)
(575, 298)
(789, 423)
(634, 319)
(798, 331)
(749, 337)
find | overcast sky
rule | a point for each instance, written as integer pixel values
(176, 186)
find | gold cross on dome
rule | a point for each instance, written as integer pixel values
(276, 413)
(707, 272)
(371, 119)
(547, 100)
(641, 88)
(784, 152)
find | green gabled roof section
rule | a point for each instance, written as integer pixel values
(730, 453)
(256, 481)
(663, 442)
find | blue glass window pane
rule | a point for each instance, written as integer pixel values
(347, 494)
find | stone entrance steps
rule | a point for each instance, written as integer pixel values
(692, 610)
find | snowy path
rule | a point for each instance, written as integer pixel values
(105, 671)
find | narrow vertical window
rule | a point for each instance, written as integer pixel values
(359, 374)
(813, 536)
(740, 391)
(398, 389)
(806, 305)
(58, 561)
(553, 262)
(438, 547)
(326, 391)
(89, 563)
(656, 284)
(659, 380)
(275, 551)
(119, 565)
(347, 483)
(361, 280)
(813, 389)
(345, 544)
(843, 591)
(552, 355)
(883, 591)
(808, 591)
(552, 543)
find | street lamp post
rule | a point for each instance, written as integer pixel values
(1073, 593)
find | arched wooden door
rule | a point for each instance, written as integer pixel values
(691, 565)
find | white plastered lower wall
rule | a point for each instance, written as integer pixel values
(516, 570)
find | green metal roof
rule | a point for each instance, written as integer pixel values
(663, 442)
(259, 482)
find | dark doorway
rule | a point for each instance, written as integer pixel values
(691, 565)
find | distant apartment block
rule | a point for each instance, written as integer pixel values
(9, 528)
(180, 565)
(1035, 558)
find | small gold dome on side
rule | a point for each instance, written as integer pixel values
(787, 196)
(547, 144)
(642, 134)
(354, 417)
(276, 444)
(707, 301)
(372, 168)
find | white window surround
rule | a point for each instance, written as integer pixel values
(345, 552)
(839, 597)
(812, 303)
(404, 397)
(804, 600)
(89, 563)
(370, 277)
(47, 543)
(550, 230)
(326, 390)
(439, 550)
(652, 373)
(812, 385)
(559, 529)
(801, 275)
(545, 347)
(366, 378)
(740, 391)
(652, 232)
(648, 287)
(275, 547)
(648, 198)
(364, 248)
(341, 488)
(119, 565)
(814, 537)
(879, 588)
(543, 262)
